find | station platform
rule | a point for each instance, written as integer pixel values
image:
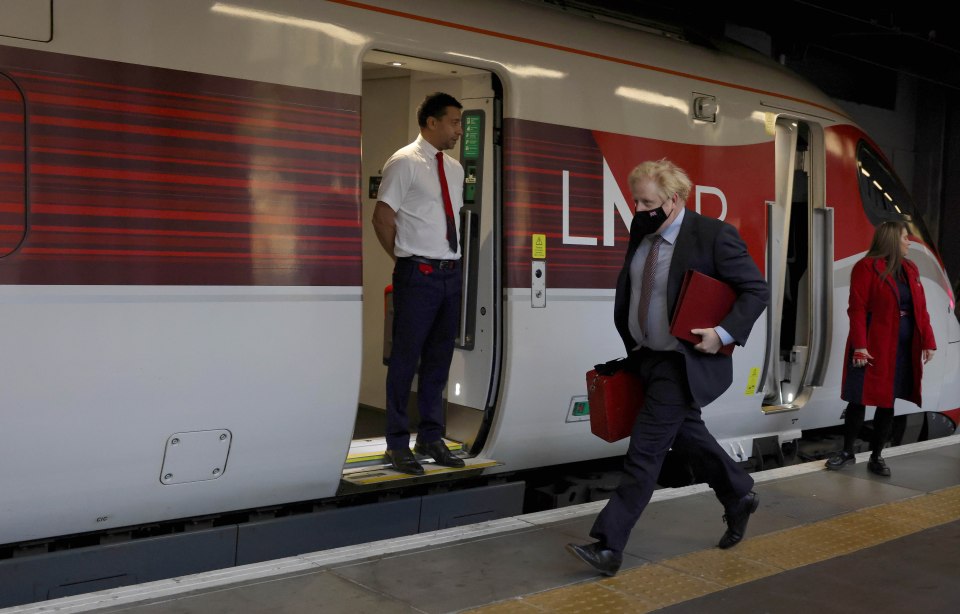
(821, 541)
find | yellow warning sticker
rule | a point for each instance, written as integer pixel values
(752, 382)
(539, 247)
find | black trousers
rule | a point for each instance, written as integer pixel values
(426, 312)
(853, 421)
(668, 419)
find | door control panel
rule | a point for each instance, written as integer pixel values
(538, 284)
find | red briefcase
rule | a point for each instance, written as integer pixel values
(614, 400)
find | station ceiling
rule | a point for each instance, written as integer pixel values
(853, 50)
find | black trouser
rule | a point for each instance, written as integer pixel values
(882, 425)
(426, 312)
(668, 418)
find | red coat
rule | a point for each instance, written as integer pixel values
(879, 298)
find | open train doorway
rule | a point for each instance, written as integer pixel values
(799, 268)
(393, 86)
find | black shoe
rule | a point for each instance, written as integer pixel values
(402, 460)
(841, 458)
(737, 519)
(595, 555)
(438, 451)
(879, 466)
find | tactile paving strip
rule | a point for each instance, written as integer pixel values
(589, 598)
(672, 581)
(660, 585)
(722, 567)
(795, 547)
(518, 605)
(875, 526)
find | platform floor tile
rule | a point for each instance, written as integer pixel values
(924, 472)
(463, 575)
(306, 593)
(697, 576)
(660, 585)
(915, 573)
(592, 598)
(843, 490)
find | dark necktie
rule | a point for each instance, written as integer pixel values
(646, 283)
(447, 205)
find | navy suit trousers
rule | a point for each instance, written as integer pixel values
(426, 313)
(668, 419)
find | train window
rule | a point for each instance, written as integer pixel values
(12, 165)
(884, 197)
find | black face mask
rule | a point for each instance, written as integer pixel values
(645, 222)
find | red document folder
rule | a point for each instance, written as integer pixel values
(703, 303)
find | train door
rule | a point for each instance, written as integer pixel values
(393, 86)
(799, 269)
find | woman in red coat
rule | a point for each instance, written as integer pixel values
(890, 341)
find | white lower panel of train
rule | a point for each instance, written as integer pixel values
(545, 376)
(97, 380)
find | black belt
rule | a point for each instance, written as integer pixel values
(440, 264)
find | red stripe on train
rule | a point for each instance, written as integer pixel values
(168, 254)
(187, 134)
(51, 209)
(130, 175)
(222, 118)
(181, 95)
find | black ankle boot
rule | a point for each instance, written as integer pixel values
(877, 465)
(841, 458)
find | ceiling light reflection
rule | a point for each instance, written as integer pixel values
(347, 36)
(652, 98)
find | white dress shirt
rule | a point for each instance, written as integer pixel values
(411, 187)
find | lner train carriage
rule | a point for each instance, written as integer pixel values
(192, 295)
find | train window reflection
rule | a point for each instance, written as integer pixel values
(884, 197)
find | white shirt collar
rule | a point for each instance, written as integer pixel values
(427, 148)
(670, 234)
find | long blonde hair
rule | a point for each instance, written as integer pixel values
(886, 245)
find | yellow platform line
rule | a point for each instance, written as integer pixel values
(672, 581)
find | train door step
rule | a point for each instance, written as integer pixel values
(370, 476)
(366, 452)
(776, 409)
(365, 465)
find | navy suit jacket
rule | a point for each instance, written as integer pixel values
(716, 249)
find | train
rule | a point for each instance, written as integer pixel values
(193, 295)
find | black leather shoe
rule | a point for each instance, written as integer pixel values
(438, 451)
(879, 466)
(402, 460)
(841, 458)
(737, 519)
(595, 555)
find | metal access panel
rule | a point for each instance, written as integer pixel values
(462, 507)
(73, 572)
(195, 456)
(292, 535)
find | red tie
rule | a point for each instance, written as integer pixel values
(447, 205)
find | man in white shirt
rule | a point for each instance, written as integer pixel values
(417, 222)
